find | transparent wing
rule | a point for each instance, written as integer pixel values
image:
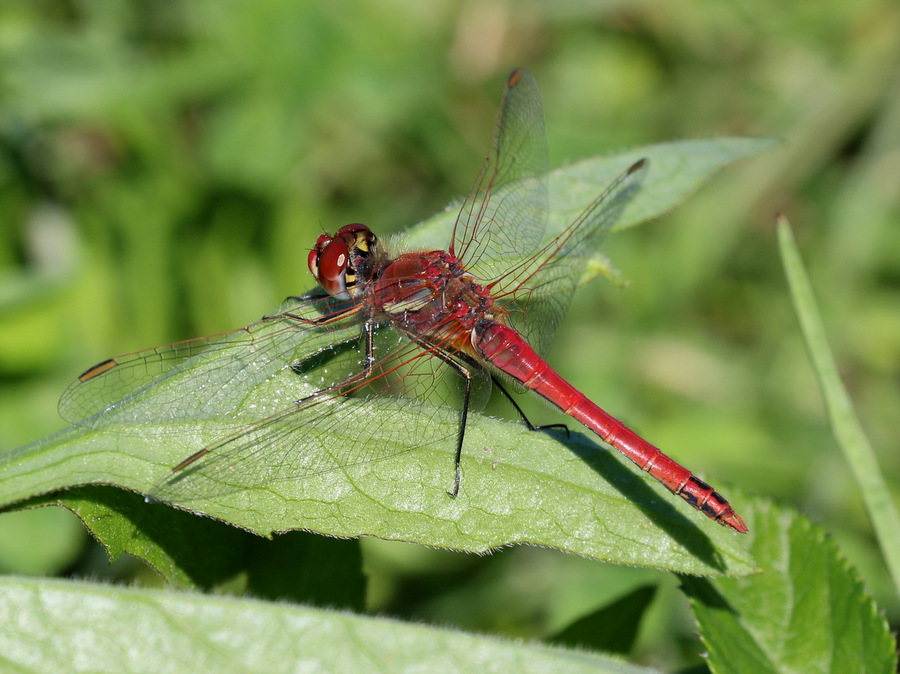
(409, 401)
(537, 288)
(206, 377)
(499, 231)
(505, 212)
(287, 397)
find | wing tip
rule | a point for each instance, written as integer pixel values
(638, 165)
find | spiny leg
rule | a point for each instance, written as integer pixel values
(368, 334)
(531, 427)
(343, 311)
(467, 376)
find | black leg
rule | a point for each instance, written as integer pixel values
(466, 374)
(340, 312)
(300, 299)
(368, 335)
(531, 427)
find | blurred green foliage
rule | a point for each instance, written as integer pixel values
(164, 168)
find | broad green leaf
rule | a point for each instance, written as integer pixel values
(201, 552)
(518, 486)
(806, 612)
(65, 626)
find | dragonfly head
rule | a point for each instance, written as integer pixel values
(340, 262)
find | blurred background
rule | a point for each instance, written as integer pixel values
(165, 167)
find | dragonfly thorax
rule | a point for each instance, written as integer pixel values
(431, 295)
(343, 262)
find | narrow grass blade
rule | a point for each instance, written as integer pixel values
(844, 421)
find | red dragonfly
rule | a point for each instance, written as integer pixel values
(423, 334)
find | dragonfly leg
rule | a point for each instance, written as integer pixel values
(302, 300)
(531, 426)
(368, 336)
(299, 299)
(322, 320)
(466, 374)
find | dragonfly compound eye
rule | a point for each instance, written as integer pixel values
(330, 267)
(314, 254)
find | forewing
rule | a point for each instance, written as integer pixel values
(505, 212)
(204, 378)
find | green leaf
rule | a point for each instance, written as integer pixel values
(613, 628)
(806, 612)
(201, 552)
(51, 625)
(518, 486)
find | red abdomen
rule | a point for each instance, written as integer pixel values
(505, 348)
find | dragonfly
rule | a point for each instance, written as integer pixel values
(414, 342)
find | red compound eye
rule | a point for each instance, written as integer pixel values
(314, 254)
(328, 263)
